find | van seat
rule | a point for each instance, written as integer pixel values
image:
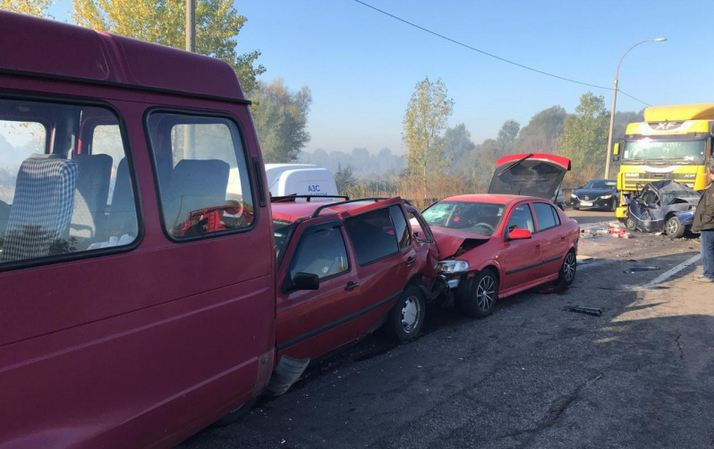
(195, 184)
(122, 212)
(90, 200)
(41, 208)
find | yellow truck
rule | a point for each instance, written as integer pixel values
(674, 142)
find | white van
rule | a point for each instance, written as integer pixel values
(300, 179)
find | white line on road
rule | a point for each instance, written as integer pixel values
(672, 271)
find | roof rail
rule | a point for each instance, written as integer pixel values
(356, 200)
(288, 198)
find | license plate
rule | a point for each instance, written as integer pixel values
(586, 203)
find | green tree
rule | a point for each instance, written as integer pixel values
(344, 179)
(542, 132)
(426, 118)
(163, 22)
(30, 7)
(508, 133)
(280, 118)
(585, 136)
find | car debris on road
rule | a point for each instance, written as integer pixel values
(582, 309)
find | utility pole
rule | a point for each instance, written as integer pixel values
(188, 133)
(191, 25)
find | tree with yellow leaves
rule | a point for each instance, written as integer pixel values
(163, 22)
(31, 7)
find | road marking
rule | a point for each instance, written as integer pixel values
(672, 271)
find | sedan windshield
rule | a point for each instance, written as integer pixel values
(282, 230)
(600, 184)
(482, 218)
(665, 150)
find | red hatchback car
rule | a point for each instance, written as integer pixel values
(344, 268)
(498, 244)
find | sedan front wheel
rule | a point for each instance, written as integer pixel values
(478, 299)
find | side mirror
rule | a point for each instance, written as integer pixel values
(519, 234)
(616, 149)
(302, 281)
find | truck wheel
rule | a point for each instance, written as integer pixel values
(407, 317)
(630, 224)
(673, 227)
(478, 299)
(567, 272)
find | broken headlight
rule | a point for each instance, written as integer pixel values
(452, 266)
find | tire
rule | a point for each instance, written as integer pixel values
(407, 316)
(481, 294)
(567, 272)
(673, 227)
(630, 224)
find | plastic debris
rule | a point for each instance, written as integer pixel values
(582, 309)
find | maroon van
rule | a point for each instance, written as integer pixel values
(137, 292)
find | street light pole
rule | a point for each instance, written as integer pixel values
(614, 102)
(191, 25)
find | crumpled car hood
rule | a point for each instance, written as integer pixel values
(454, 242)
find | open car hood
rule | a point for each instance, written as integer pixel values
(454, 242)
(534, 174)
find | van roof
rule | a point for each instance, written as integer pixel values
(51, 49)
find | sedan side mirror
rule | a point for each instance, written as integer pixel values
(303, 281)
(519, 234)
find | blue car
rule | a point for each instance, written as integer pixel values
(662, 206)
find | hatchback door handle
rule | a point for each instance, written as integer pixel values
(410, 261)
(351, 285)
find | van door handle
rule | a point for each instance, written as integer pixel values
(410, 261)
(351, 285)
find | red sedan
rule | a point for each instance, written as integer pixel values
(497, 244)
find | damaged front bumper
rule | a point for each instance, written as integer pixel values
(451, 271)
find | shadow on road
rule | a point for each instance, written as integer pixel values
(531, 375)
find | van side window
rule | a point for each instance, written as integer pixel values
(202, 174)
(322, 252)
(372, 235)
(547, 216)
(54, 191)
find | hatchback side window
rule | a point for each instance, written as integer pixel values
(372, 235)
(521, 218)
(203, 177)
(400, 226)
(322, 252)
(54, 191)
(547, 216)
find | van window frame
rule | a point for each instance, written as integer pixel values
(253, 178)
(69, 100)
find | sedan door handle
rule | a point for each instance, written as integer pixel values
(410, 261)
(351, 285)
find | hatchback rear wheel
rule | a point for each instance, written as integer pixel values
(407, 317)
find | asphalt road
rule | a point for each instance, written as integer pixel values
(530, 375)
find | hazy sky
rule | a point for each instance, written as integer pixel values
(362, 66)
